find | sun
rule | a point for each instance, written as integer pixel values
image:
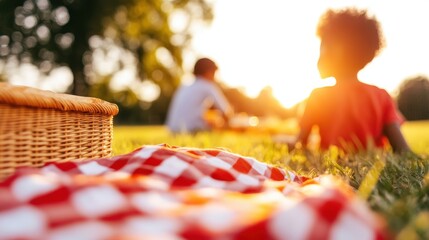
(271, 46)
(258, 44)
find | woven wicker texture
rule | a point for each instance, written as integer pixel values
(39, 126)
(31, 97)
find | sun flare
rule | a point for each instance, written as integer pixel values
(258, 44)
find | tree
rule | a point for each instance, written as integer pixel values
(413, 98)
(52, 33)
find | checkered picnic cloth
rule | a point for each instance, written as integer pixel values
(163, 192)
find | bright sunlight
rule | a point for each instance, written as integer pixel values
(258, 43)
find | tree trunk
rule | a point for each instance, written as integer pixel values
(80, 27)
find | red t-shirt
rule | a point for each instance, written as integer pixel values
(350, 114)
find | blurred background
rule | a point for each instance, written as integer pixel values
(136, 53)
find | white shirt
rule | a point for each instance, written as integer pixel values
(190, 103)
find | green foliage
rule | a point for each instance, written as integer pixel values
(395, 186)
(53, 33)
(144, 27)
(413, 98)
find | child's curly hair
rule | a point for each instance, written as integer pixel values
(359, 33)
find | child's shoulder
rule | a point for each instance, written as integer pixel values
(373, 91)
(374, 88)
(356, 87)
(324, 90)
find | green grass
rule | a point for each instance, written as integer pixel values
(417, 135)
(397, 187)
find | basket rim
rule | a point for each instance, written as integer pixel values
(33, 97)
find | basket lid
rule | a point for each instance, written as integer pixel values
(32, 97)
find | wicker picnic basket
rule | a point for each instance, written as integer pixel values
(39, 126)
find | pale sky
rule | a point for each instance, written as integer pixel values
(273, 42)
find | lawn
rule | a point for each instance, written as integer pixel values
(395, 186)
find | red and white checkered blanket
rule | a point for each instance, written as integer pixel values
(162, 192)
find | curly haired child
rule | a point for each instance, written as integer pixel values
(351, 115)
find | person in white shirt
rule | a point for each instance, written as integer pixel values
(191, 102)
